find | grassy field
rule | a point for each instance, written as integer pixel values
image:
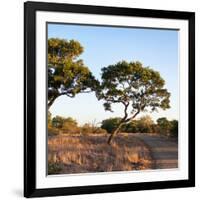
(69, 154)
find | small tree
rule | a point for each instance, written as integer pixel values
(67, 75)
(136, 87)
(164, 126)
(58, 121)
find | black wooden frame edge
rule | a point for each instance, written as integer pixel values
(110, 188)
(30, 9)
(191, 98)
(91, 9)
(29, 102)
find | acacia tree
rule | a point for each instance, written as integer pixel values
(67, 75)
(136, 87)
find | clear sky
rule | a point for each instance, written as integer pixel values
(107, 45)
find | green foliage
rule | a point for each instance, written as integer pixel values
(133, 85)
(164, 126)
(110, 124)
(144, 124)
(57, 122)
(168, 128)
(69, 121)
(131, 127)
(70, 126)
(174, 128)
(65, 125)
(67, 75)
(136, 87)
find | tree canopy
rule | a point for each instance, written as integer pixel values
(67, 75)
(134, 86)
(167, 127)
(144, 124)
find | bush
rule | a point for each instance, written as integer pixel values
(100, 130)
(86, 129)
(168, 128)
(89, 128)
(131, 127)
(70, 126)
(54, 168)
(110, 124)
(174, 128)
(142, 125)
(65, 125)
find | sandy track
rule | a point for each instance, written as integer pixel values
(164, 151)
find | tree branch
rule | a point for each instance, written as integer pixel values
(85, 91)
(112, 100)
(50, 102)
(125, 111)
(132, 117)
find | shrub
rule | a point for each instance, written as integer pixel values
(131, 127)
(70, 126)
(110, 124)
(100, 130)
(174, 128)
(57, 122)
(89, 128)
(54, 168)
(168, 128)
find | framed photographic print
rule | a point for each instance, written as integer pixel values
(109, 99)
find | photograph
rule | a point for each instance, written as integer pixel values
(112, 98)
(109, 98)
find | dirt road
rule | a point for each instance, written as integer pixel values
(164, 151)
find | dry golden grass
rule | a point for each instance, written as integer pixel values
(90, 153)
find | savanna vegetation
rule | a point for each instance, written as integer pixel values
(109, 145)
(79, 149)
(91, 153)
(144, 124)
(69, 126)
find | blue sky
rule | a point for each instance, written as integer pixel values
(107, 45)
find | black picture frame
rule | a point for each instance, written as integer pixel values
(30, 9)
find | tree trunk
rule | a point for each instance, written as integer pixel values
(51, 102)
(114, 133)
(123, 121)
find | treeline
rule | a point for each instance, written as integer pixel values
(145, 124)
(69, 125)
